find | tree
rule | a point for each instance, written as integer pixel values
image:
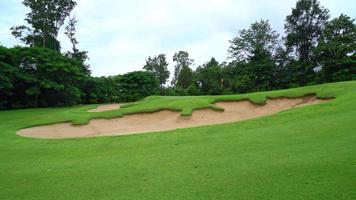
(185, 77)
(258, 38)
(79, 56)
(209, 78)
(158, 65)
(47, 74)
(229, 75)
(8, 74)
(100, 90)
(45, 18)
(182, 65)
(336, 49)
(304, 26)
(136, 85)
(252, 51)
(70, 31)
(39, 77)
(283, 74)
(262, 69)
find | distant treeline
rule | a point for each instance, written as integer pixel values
(315, 50)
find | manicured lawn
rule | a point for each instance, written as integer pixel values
(304, 153)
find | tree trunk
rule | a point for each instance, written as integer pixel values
(36, 100)
(44, 41)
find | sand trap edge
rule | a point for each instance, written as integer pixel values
(295, 102)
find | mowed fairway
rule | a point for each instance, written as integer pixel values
(303, 153)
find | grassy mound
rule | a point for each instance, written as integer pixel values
(304, 153)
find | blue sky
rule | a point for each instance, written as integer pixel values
(121, 34)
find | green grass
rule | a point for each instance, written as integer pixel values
(303, 153)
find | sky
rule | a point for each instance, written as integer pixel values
(120, 35)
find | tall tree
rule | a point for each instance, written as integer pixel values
(45, 18)
(258, 38)
(70, 31)
(79, 56)
(337, 48)
(304, 26)
(158, 65)
(183, 75)
(253, 50)
(209, 77)
(283, 76)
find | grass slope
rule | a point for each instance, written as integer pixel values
(304, 153)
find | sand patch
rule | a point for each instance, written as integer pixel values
(167, 120)
(107, 107)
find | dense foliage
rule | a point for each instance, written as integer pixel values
(40, 77)
(314, 50)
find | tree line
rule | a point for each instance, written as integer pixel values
(315, 49)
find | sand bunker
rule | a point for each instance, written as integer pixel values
(107, 107)
(167, 120)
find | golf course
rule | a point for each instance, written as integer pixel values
(177, 100)
(305, 152)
